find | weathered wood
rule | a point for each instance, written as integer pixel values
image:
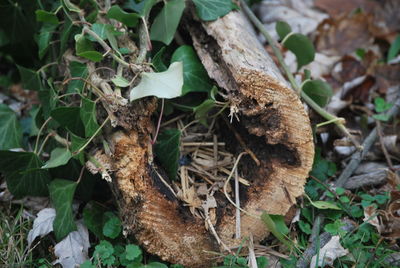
(268, 108)
(273, 124)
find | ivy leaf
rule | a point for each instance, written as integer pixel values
(88, 117)
(195, 76)
(10, 129)
(325, 205)
(202, 110)
(166, 22)
(77, 142)
(318, 90)
(93, 218)
(46, 32)
(77, 69)
(84, 48)
(157, 61)
(69, 117)
(305, 227)
(167, 151)
(23, 174)
(70, 6)
(61, 195)
(45, 16)
(283, 29)
(65, 33)
(129, 19)
(213, 9)
(166, 84)
(394, 49)
(301, 46)
(30, 79)
(58, 157)
(119, 81)
(112, 225)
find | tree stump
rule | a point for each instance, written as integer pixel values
(272, 123)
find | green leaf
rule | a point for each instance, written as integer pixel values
(262, 262)
(142, 7)
(77, 69)
(133, 253)
(381, 105)
(119, 81)
(70, 6)
(30, 79)
(319, 91)
(77, 142)
(65, 33)
(325, 205)
(213, 9)
(167, 84)
(112, 225)
(100, 29)
(149, 265)
(46, 32)
(305, 227)
(166, 22)
(280, 225)
(93, 218)
(45, 16)
(157, 61)
(88, 117)
(23, 174)
(381, 117)
(283, 29)
(394, 49)
(195, 77)
(202, 110)
(91, 55)
(129, 19)
(167, 151)
(61, 195)
(104, 251)
(58, 157)
(301, 47)
(10, 129)
(69, 117)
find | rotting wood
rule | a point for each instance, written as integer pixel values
(276, 129)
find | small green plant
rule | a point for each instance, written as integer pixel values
(381, 106)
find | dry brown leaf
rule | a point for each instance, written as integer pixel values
(344, 35)
(338, 8)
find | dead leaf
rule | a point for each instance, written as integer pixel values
(73, 249)
(329, 253)
(42, 225)
(343, 36)
(338, 8)
(371, 218)
(299, 14)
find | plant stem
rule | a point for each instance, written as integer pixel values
(325, 114)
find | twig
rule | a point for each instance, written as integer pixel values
(328, 116)
(367, 144)
(159, 122)
(237, 201)
(383, 147)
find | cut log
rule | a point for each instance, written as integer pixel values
(273, 125)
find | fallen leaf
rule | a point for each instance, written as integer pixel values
(338, 8)
(329, 253)
(166, 84)
(343, 36)
(42, 225)
(73, 249)
(300, 15)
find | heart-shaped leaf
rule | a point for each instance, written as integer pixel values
(167, 84)
(213, 9)
(167, 151)
(61, 195)
(45, 16)
(195, 76)
(58, 157)
(119, 81)
(318, 90)
(88, 117)
(129, 19)
(301, 47)
(283, 29)
(10, 129)
(166, 22)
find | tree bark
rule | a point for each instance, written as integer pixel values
(273, 124)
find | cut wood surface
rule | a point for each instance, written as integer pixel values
(272, 123)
